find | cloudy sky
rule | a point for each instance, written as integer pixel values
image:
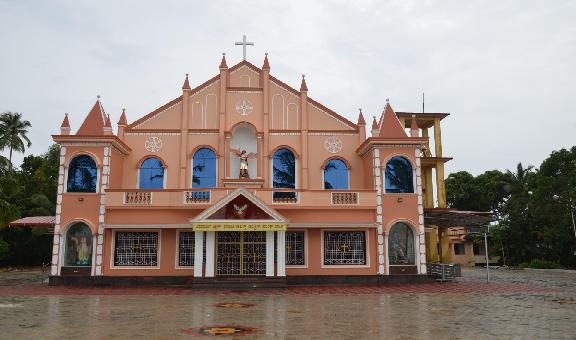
(505, 70)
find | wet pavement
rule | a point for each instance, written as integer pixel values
(517, 305)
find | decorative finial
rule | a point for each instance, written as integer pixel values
(303, 86)
(123, 110)
(266, 54)
(186, 75)
(387, 100)
(360, 109)
(98, 97)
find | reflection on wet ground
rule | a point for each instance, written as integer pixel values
(373, 314)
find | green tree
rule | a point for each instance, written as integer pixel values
(13, 133)
(556, 176)
(517, 223)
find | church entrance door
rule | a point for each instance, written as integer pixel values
(241, 253)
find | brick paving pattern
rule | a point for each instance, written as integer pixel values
(516, 305)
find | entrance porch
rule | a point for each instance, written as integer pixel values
(240, 236)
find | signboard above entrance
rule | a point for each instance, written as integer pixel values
(246, 226)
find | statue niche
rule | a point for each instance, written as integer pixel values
(243, 160)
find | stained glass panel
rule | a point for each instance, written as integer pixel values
(401, 245)
(78, 246)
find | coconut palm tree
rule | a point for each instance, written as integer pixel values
(13, 131)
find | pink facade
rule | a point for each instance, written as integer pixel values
(164, 196)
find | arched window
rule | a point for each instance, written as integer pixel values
(82, 174)
(399, 178)
(401, 245)
(336, 174)
(284, 173)
(204, 169)
(78, 246)
(152, 174)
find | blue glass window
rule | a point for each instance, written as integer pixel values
(399, 176)
(152, 174)
(336, 175)
(284, 173)
(82, 174)
(204, 169)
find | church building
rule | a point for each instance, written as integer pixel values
(246, 176)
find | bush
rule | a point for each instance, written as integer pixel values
(543, 264)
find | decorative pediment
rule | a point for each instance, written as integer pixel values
(239, 210)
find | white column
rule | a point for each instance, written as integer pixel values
(198, 252)
(281, 249)
(269, 253)
(210, 243)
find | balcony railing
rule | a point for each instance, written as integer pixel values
(196, 197)
(344, 198)
(202, 198)
(138, 197)
(285, 197)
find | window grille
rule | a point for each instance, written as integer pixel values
(295, 253)
(136, 249)
(344, 247)
(186, 249)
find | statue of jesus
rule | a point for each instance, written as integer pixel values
(244, 156)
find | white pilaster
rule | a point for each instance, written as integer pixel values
(198, 252)
(378, 180)
(269, 253)
(210, 244)
(281, 256)
(420, 240)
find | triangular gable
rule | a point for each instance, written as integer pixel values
(178, 100)
(93, 124)
(390, 126)
(239, 206)
(316, 106)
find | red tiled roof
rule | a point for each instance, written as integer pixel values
(34, 221)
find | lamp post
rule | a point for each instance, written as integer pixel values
(486, 253)
(572, 208)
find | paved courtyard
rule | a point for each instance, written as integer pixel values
(516, 305)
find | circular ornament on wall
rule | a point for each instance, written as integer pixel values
(153, 144)
(333, 144)
(244, 107)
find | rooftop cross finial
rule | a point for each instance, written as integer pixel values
(244, 43)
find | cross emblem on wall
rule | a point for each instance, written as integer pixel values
(344, 247)
(244, 107)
